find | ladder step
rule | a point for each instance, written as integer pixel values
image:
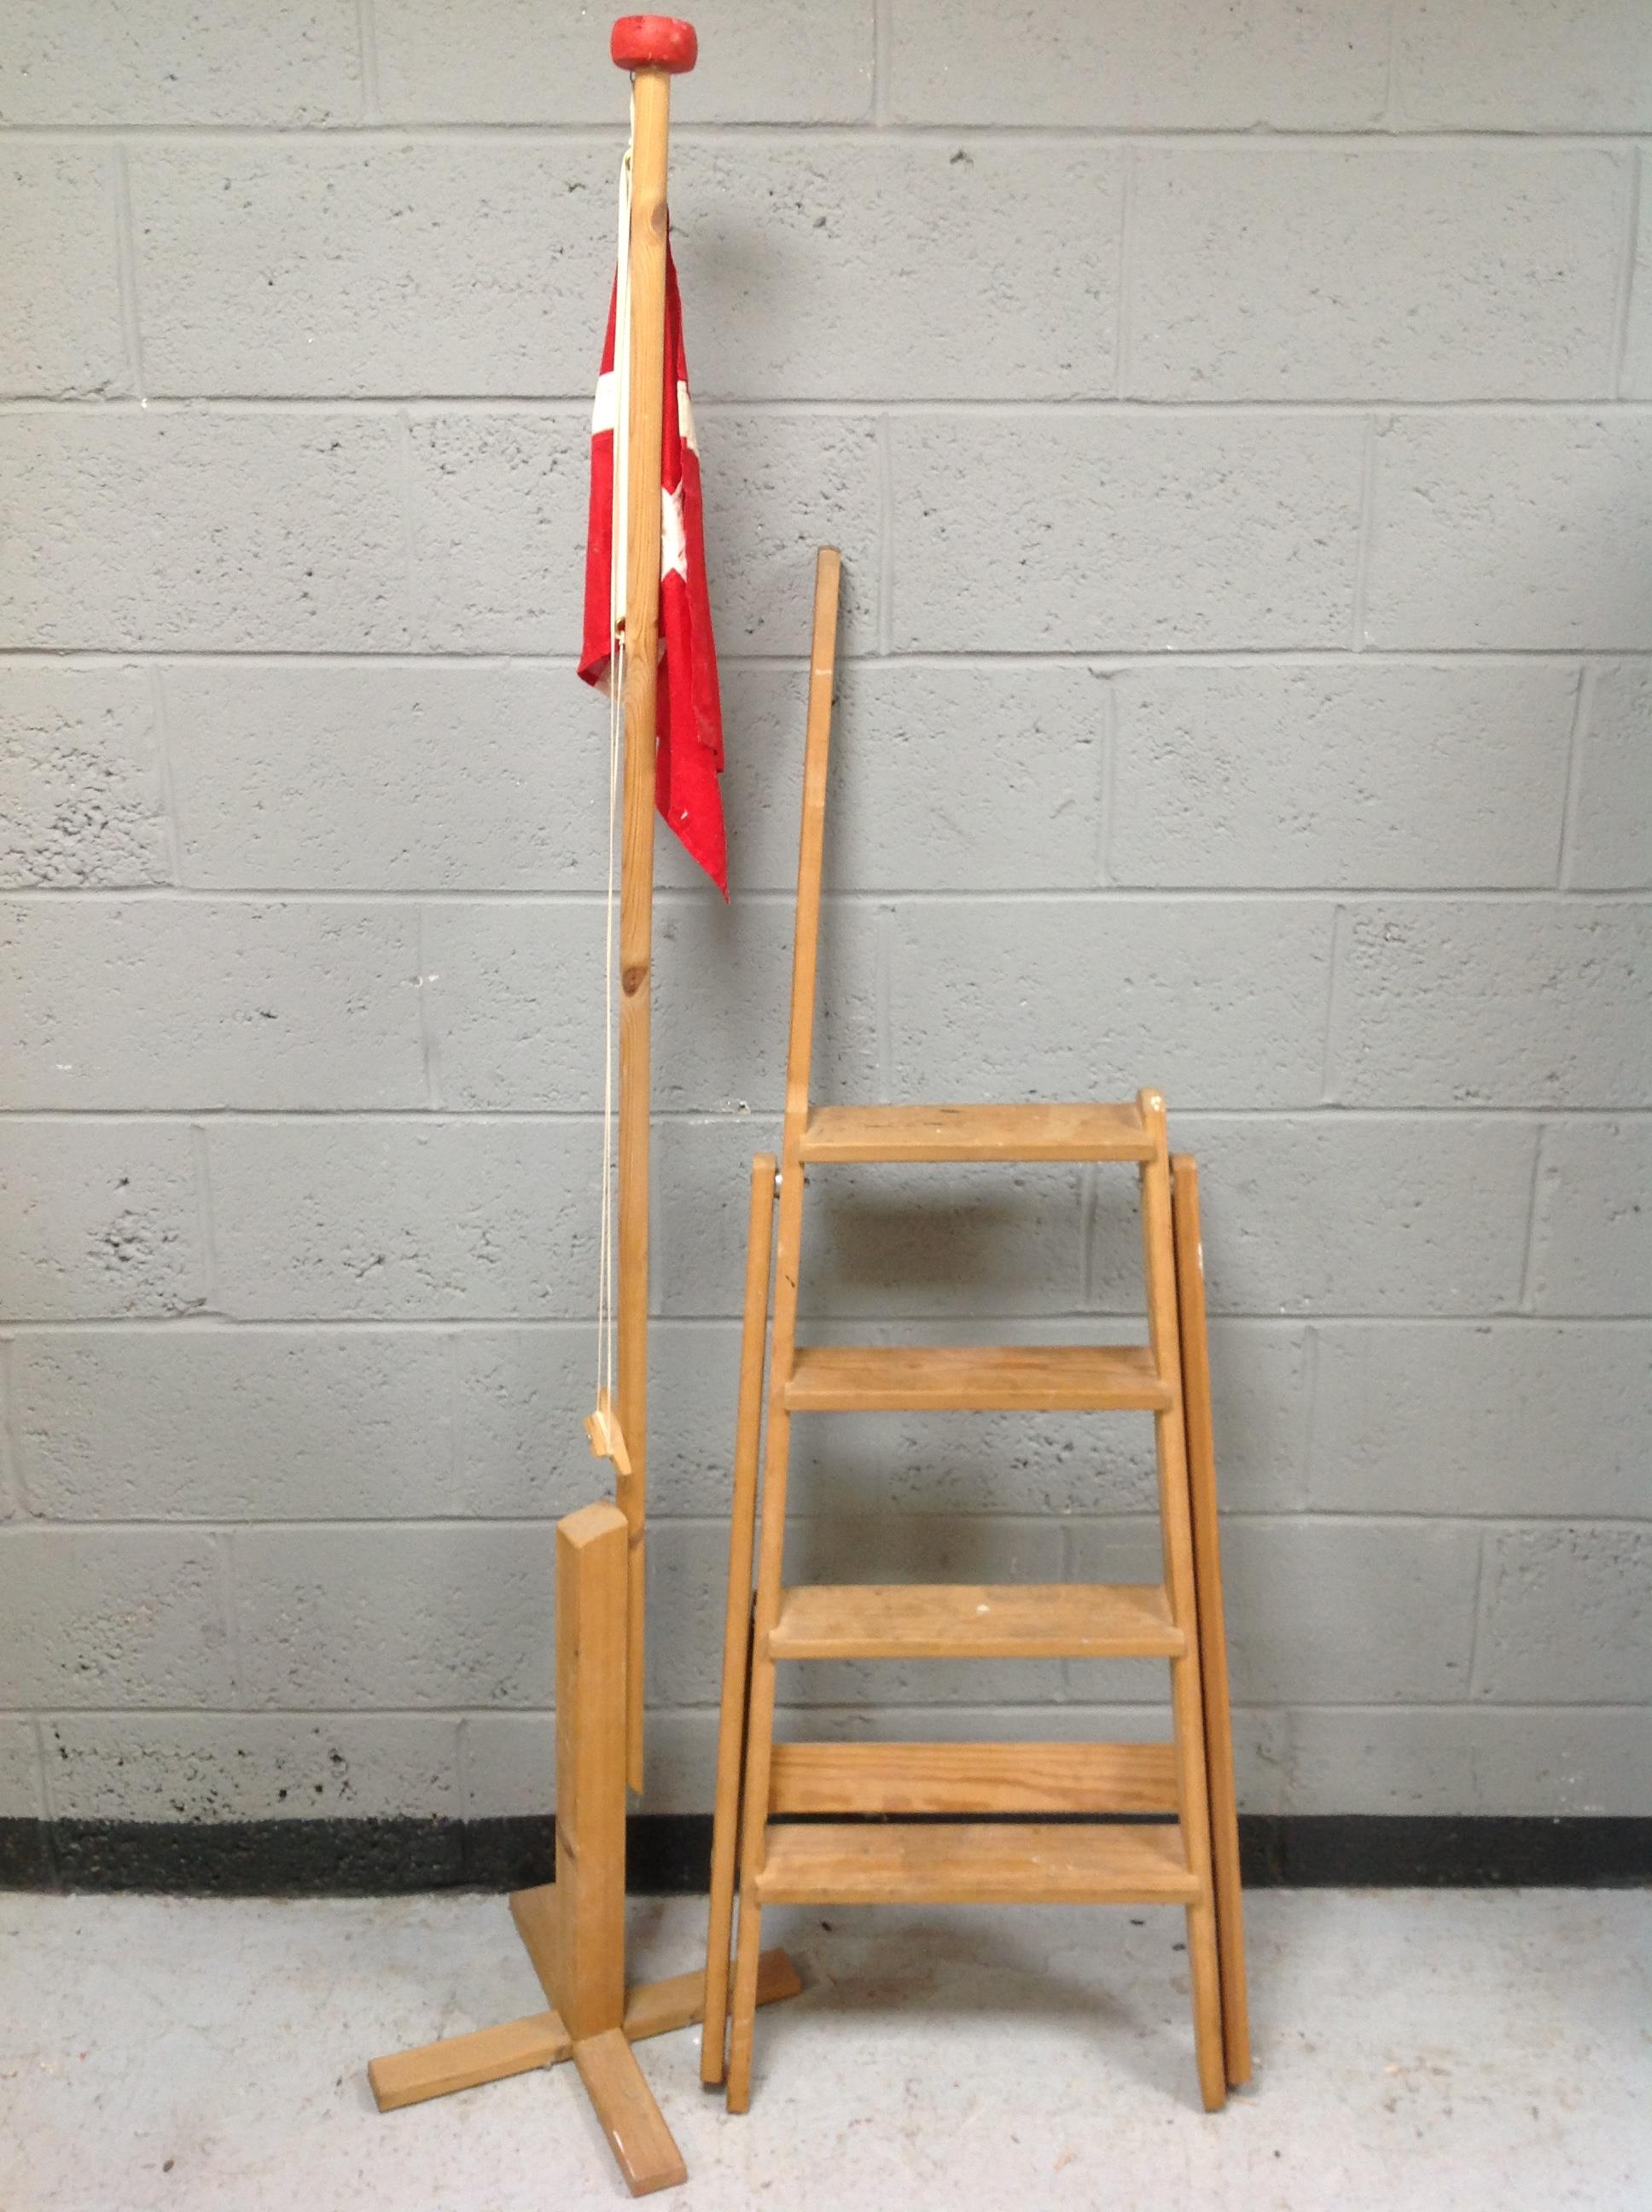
(973, 1778)
(964, 1620)
(1085, 1132)
(975, 1378)
(987, 1863)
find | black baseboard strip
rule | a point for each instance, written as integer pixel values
(1427, 1850)
(670, 1854)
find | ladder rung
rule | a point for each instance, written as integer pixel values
(969, 1378)
(987, 1862)
(1086, 1131)
(973, 1778)
(963, 1620)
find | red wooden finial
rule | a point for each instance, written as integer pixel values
(654, 42)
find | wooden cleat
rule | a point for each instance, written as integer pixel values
(607, 1437)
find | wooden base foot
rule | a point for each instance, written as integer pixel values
(461, 2062)
(636, 2127)
(517, 2046)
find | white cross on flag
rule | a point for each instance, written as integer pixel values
(689, 716)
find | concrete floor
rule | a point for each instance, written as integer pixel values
(1423, 2050)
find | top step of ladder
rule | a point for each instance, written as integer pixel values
(1085, 1132)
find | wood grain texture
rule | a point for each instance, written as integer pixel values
(760, 1709)
(650, 136)
(461, 2062)
(972, 1620)
(587, 1952)
(1083, 1132)
(518, 2046)
(1212, 1624)
(811, 844)
(642, 2144)
(821, 1778)
(994, 1863)
(1187, 1697)
(737, 1619)
(973, 1379)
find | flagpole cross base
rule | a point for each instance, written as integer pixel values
(573, 1928)
(624, 2104)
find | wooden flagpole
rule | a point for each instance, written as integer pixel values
(574, 1929)
(654, 49)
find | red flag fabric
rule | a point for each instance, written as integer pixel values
(688, 715)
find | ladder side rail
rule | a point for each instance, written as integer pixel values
(737, 1620)
(1212, 1625)
(1186, 1694)
(811, 844)
(760, 1714)
(760, 1706)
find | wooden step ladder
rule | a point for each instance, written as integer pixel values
(985, 1823)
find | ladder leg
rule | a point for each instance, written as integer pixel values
(744, 2002)
(760, 1712)
(760, 1722)
(1212, 1631)
(1193, 1785)
(737, 1629)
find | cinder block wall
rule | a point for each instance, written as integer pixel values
(1235, 422)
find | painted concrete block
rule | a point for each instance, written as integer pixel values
(63, 337)
(1612, 829)
(234, 1423)
(253, 1766)
(1523, 65)
(1483, 272)
(405, 1218)
(1565, 1615)
(162, 531)
(1591, 1221)
(1308, 776)
(1354, 1613)
(99, 1219)
(20, 1797)
(911, 223)
(1513, 531)
(210, 1003)
(80, 779)
(1123, 534)
(1175, 66)
(1219, 1002)
(278, 62)
(114, 1617)
(372, 266)
(1341, 1215)
(1525, 1003)
(1482, 1418)
(354, 1619)
(1569, 1760)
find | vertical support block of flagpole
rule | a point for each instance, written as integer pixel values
(654, 49)
(589, 1897)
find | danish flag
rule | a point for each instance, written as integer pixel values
(688, 715)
